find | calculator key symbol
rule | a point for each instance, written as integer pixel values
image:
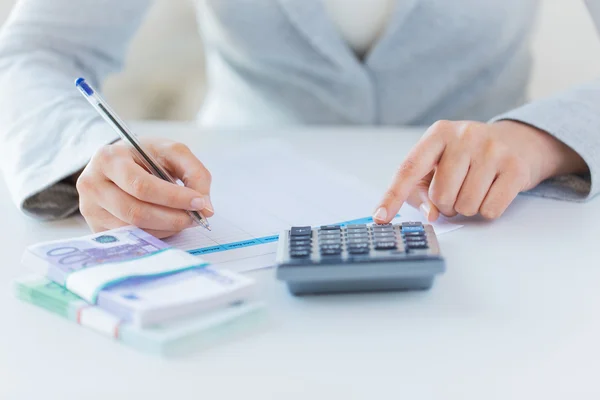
(300, 253)
(385, 245)
(301, 231)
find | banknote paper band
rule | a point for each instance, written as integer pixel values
(88, 282)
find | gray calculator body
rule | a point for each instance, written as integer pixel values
(355, 258)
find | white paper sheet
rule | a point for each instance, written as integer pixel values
(266, 188)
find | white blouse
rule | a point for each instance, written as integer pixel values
(360, 22)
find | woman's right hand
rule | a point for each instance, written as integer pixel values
(115, 190)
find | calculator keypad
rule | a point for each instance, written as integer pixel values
(355, 242)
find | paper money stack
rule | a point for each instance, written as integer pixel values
(138, 290)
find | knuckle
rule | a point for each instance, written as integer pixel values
(140, 187)
(490, 211)
(104, 153)
(408, 167)
(441, 126)
(180, 222)
(442, 203)
(493, 150)
(84, 184)
(179, 148)
(440, 199)
(390, 195)
(465, 207)
(109, 152)
(470, 135)
(208, 176)
(201, 175)
(134, 214)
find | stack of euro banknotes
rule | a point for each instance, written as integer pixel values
(134, 288)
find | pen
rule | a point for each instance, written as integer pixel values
(144, 157)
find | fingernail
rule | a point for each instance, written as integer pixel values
(380, 214)
(425, 209)
(209, 206)
(198, 203)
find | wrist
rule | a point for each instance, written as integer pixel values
(555, 158)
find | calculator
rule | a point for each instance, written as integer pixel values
(361, 257)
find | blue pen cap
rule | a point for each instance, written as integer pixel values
(81, 83)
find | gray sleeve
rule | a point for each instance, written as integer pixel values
(48, 131)
(573, 117)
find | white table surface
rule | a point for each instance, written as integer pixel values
(515, 316)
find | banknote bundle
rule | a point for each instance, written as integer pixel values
(137, 289)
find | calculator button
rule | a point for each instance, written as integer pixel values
(383, 235)
(421, 244)
(383, 227)
(357, 241)
(300, 250)
(300, 242)
(330, 233)
(415, 238)
(357, 226)
(327, 234)
(358, 250)
(363, 245)
(385, 245)
(330, 227)
(330, 237)
(412, 223)
(303, 243)
(358, 236)
(406, 229)
(330, 252)
(382, 230)
(331, 241)
(358, 233)
(330, 246)
(301, 231)
(299, 253)
(410, 234)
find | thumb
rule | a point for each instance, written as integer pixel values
(419, 199)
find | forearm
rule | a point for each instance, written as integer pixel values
(47, 130)
(573, 118)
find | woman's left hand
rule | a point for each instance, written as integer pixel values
(467, 168)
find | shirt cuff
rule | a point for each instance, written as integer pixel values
(45, 193)
(574, 124)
